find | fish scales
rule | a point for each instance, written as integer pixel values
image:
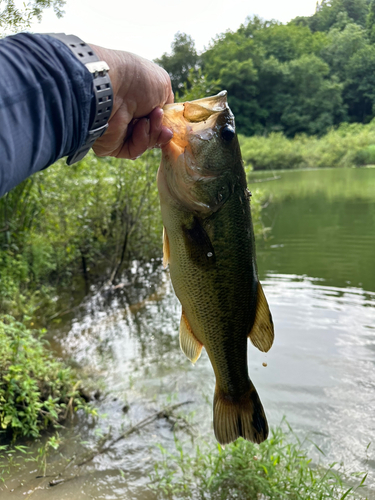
(209, 245)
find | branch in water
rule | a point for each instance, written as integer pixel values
(165, 412)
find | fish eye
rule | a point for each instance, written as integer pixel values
(228, 133)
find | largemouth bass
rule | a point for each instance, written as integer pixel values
(209, 245)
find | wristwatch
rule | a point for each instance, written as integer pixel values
(102, 87)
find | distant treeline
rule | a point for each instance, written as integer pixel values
(302, 77)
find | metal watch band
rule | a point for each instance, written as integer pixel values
(102, 89)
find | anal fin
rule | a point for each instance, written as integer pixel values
(189, 343)
(166, 251)
(262, 333)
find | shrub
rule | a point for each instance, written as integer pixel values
(36, 390)
(273, 152)
(365, 156)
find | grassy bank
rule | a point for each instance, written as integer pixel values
(279, 468)
(66, 227)
(350, 145)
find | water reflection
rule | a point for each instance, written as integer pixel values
(323, 225)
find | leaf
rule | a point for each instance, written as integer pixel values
(363, 480)
(346, 494)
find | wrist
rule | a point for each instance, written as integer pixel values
(102, 102)
(118, 69)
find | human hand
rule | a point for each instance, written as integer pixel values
(140, 89)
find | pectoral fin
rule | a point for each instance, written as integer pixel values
(262, 333)
(166, 251)
(189, 343)
(198, 244)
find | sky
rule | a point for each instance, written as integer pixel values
(147, 27)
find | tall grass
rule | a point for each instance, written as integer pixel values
(279, 469)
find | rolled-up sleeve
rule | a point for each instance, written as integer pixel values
(45, 103)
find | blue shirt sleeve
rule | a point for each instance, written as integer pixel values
(45, 103)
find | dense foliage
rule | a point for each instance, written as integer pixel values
(184, 59)
(303, 77)
(36, 390)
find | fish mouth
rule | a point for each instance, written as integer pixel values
(199, 110)
(196, 111)
(193, 117)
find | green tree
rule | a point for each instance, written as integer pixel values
(183, 58)
(288, 42)
(343, 44)
(13, 17)
(231, 63)
(254, 25)
(240, 79)
(299, 96)
(303, 77)
(330, 12)
(370, 22)
(274, 78)
(359, 92)
(312, 103)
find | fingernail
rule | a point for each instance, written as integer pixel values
(168, 131)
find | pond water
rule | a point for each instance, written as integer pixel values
(317, 266)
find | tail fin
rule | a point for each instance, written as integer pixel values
(244, 417)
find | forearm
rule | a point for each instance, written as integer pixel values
(46, 95)
(45, 102)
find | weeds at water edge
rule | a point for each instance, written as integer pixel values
(279, 469)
